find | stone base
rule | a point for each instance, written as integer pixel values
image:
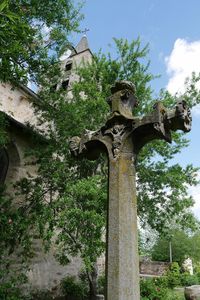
(192, 292)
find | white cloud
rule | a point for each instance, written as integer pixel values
(182, 61)
(195, 193)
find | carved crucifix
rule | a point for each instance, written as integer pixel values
(121, 138)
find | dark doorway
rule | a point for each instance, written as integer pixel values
(4, 162)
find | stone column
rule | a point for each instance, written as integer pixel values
(122, 253)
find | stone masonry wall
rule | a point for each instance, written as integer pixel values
(155, 268)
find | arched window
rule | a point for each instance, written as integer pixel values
(4, 162)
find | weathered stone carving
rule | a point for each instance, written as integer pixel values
(192, 292)
(122, 124)
(122, 136)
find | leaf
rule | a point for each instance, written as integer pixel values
(3, 5)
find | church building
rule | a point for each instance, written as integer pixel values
(17, 104)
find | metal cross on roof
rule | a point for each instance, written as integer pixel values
(85, 31)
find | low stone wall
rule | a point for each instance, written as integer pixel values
(155, 268)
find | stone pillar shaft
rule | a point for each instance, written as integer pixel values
(122, 263)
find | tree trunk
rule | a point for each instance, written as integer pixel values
(93, 284)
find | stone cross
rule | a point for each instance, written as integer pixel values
(122, 136)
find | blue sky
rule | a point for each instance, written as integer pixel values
(172, 29)
(159, 23)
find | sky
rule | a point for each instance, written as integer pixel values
(172, 30)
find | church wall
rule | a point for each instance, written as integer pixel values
(17, 103)
(45, 271)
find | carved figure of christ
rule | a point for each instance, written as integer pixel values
(121, 138)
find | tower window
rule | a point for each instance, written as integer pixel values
(68, 67)
(65, 84)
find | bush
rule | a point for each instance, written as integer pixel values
(187, 279)
(102, 284)
(40, 295)
(173, 275)
(74, 289)
(161, 282)
(155, 289)
(149, 290)
(10, 285)
(197, 268)
(198, 276)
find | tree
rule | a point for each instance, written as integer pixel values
(32, 35)
(77, 189)
(183, 246)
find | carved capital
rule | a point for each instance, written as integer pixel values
(160, 123)
(123, 99)
(184, 115)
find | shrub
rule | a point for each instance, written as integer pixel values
(198, 276)
(74, 288)
(149, 290)
(197, 268)
(161, 281)
(155, 289)
(173, 275)
(187, 279)
(10, 285)
(40, 295)
(102, 284)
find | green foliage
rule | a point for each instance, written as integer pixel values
(197, 267)
(40, 295)
(69, 196)
(198, 275)
(155, 178)
(77, 190)
(173, 275)
(161, 281)
(3, 126)
(32, 36)
(157, 289)
(176, 295)
(183, 245)
(188, 280)
(10, 283)
(149, 290)
(102, 284)
(73, 288)
(30, 31)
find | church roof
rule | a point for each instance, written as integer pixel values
(82, 45)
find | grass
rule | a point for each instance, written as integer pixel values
(177, 294)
